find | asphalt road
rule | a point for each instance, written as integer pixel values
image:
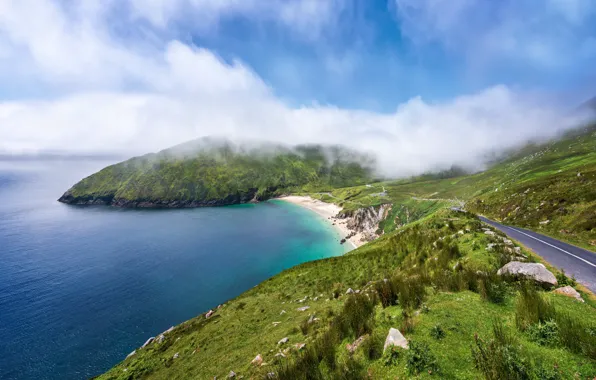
(577, 262)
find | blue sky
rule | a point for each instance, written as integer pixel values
(410, 80)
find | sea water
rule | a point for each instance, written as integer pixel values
(81, 287)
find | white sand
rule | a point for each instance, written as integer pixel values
(328, 211)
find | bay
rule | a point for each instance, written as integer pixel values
(81, 287)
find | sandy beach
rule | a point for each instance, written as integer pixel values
(327, 211)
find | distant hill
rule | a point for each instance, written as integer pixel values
(212, 172)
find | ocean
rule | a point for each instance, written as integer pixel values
(81, 287)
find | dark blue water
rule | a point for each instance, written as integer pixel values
(81, 287)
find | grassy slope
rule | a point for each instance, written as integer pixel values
(244, 327)
(221, 173)
(536, 184)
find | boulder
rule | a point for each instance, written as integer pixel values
(350, 291)
(489, 232)
(303, 308)
(176, 355)
(161, 338)
(534, 271)
(231, 375)
(299, 346)
(258, 360)
(395, 338)
(209, 314)
(568, 291)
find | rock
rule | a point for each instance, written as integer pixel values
(534, 271)
(395, 338)
(231, 375)
(508, 242)
(283, 341)
(490, 246)
(258, 360)
(169, 330)
(544, 222)
(282, 312)
(303, 308)
(350, 291)
(352, 347)
(148, 342)
(517, 250)
(342, 241)
(276, 323)
(176, 355)
(131, 354)
(209, 314)
(461, 232)
(489, 232)
(568, 291)
(357, 291)
(311, 319)
(161, 338)
(280, 355)
(300, 346)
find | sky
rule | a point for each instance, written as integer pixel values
(423, 84)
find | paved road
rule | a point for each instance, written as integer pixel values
(577, 262)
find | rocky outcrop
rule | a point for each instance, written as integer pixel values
(533, 271)
(111, 200)
(395, 338)
(366, 220)
(568, 291)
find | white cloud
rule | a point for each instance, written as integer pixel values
(185, 92)
(548, 34)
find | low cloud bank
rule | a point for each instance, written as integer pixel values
(182, 92)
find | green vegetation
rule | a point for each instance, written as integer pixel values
(207, 172)
(549, 188)
(433, 283)
(431, 274)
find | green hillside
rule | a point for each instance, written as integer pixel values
(432, 275)
(433, 280)
(209, 172)
(549, 187)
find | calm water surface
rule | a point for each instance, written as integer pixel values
(81, 287)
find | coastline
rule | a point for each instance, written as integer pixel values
(329, 212)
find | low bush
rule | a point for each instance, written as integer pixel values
(437, 332)
(500, 358)
(544, 333)
(493, 288)
(563, 280)
(420, 359)
(532, 308)
(373, 346)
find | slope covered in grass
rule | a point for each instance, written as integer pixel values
(550, 188)
(433, 280)
(209, 172)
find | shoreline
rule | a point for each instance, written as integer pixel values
(329, 212)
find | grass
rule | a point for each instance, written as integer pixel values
(431, 274)
(426, 292)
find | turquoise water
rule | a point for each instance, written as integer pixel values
(81, 287)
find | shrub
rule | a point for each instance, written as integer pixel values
(411, 291)
(356, 315)
(563, 280)
(419, 358)
(391, 355)
(493, 288)
(531, 308)
(349, 370)
(437, 332)
(373, 346)
(305, 367)
(325, 347)
(574, 335)
(500, 358)
(545, 334)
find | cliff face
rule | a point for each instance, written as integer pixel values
(366, 220)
